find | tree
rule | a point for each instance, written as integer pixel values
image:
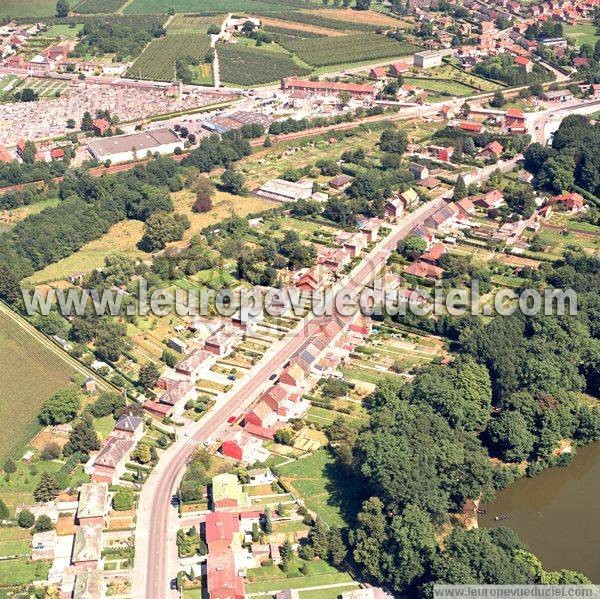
(142, 453)
(267, 525)
(510, 435)
(393, 142)
(47, 488)
(4, 511)
(284, 436)
(43, 524)
(412, 246)
(25, 519)
(162, 228)
(169, 358)
(363, 4)
(107, 403)
(337, 547)
(460, 189)
(9, 466)
(83, 438)
(29, 152)
(87, 122)
(148, 375)
(51, 451)
(498, 100)
(123, 500)
(287, 553)
(62, 9)
(280, 510)
(233, 182)
(62, 407)
(319, 539)
(9, 285)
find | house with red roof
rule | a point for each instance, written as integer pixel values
(239, 445)
(471, 126)
(514, 121)
(424, 270)
(524, 63)
(434, 253)
(398, 68)
(101, 126)
(57, 154)
(222, 578)
(493, 150)
(221, 530)
(377, 73)
(573, 202)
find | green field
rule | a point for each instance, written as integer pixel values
(582, 33)
(64, 30)
(31, 8)
(324, 51)
(98, 6)
(193, 23)
(30, 373)
(322, 486)
(157, 62)
(161, 6)
(243, 65)
(17, 572)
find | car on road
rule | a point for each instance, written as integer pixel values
(208, 442)
(231, 419)
(273, 376)
(173, 584)
(232, 377)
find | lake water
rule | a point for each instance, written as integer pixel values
(557, 513)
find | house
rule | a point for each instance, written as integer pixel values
(284, 403)
(194, 364)
(174, 400)
(101, 126)
(314, 278)
(524, 64)
(429, 183)
(57, 154)
(493, 149)
(93, 503)
(221, 342)
(444, 153)
(428, 59)
(470, 127)
(398, 68)
(419, 171)
(377, 73)
(89, 585)
(89, 385)
(340, 182)
(292, 375)
(222, 578)
(444, 218)
(572, 202)
(261, 476)
(423, 270)
(393, 209)
(557, 95)
(447, 112)
(177, 344)
(129, 426)
(5, 155)
(356, 244)
(227, 491)
(466, 205)
(87, 547)
(286, 191)
(335, 259)
(370, 228)
(261, 414)
(410, 198)
(434, 253)
(514, 121)
(110, 462)
(43, 545)
(239, 445)
(222, 531)
(489, 200)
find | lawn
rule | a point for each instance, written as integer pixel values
(193, 23)
(64, 30)
(582, 33)
(330, 593)
(122, 237)
(322, 486)
(14, 541)
(18, 572)
(273, 578)
(31, 8)
(30, 373)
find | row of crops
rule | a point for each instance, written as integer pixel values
(157, 62)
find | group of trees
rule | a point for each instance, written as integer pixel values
(571, 160)
(502, 68)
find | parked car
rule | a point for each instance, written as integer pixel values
(231, 419)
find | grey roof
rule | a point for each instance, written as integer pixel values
(141, 141)
(128, 424)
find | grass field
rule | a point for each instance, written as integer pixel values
(324, 51)
(31, 8)
(98, 6)
(157, 61)
(122, 237)
(30, 373)
(60, 30)
(321, 485)
(18, 572)
(582, 33)
(243, 65)
(193, 23)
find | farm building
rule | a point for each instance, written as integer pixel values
(286, 191)
(428, 59)
(121, 148)
(329, 88)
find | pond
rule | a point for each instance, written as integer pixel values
(556, 513)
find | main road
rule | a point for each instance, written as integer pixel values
(155, 551)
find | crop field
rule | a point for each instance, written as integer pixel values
(198, 6)
(351, 17)
(440, 87)
(193, 23)
(98, 6)
(30, 373)
(324, 51)
(241, 65)
(317, 19)
(158, 59)
(31, 8)
(302, 30)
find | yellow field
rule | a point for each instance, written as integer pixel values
(357, 16)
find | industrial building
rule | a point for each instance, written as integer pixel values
(428, 59)
(121, 148)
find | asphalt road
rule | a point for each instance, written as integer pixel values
(156, 559)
